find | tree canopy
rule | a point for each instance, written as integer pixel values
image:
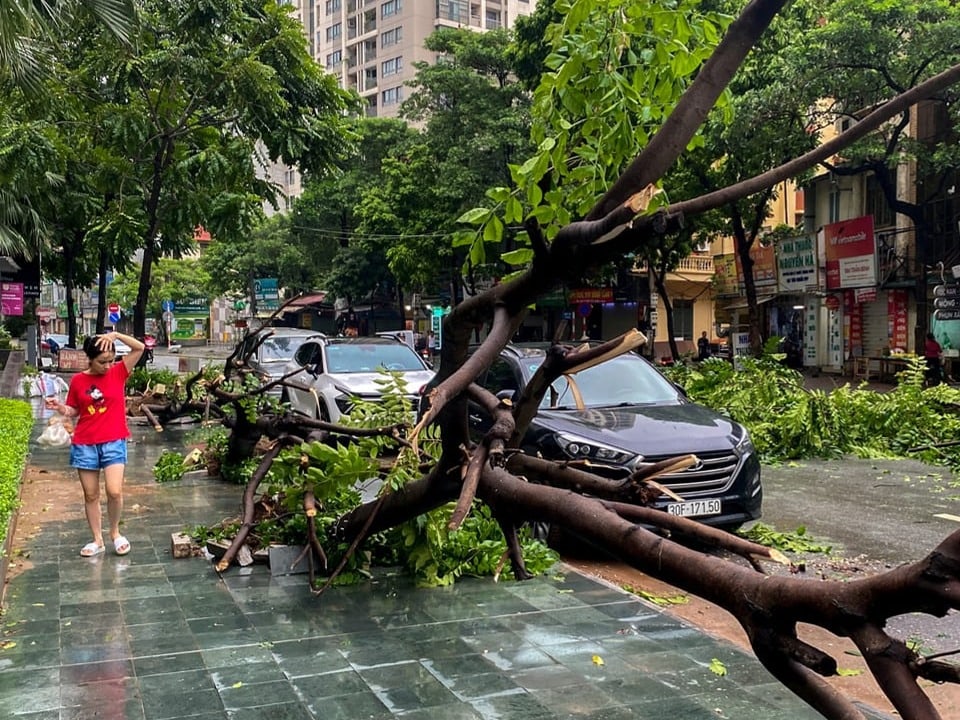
(170, 130)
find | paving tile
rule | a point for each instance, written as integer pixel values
(116, 692)
(364, 705)
(171, 662)
(516, 705)
(264, 694)
(200, 705)
(216, 658)
(283, 711)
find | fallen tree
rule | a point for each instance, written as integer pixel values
(519, 489)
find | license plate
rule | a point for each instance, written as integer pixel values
(694, 508)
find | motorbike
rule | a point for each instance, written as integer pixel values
(150, 342)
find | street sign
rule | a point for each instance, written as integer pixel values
(167, 306)
(113, 308)
(167, 316)
(946, 303)
(946, 291)
(266, 294)
(947, 314)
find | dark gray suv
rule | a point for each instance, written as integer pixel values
(631, 413)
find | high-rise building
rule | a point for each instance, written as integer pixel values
(372, 45)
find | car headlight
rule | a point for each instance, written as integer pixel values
(344, 403)
(581, 449)
(744, 445)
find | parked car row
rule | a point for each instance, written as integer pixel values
(61, 341)
(616, 415)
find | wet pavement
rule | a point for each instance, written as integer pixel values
(150, 637)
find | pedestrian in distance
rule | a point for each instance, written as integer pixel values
(703, 347)
(932, 353)
(431, 345)
(97, 399)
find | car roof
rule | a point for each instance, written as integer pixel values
(367, 340)
(290, 332)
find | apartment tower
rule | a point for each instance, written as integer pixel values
(372, 45)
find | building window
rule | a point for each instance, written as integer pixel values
(391, 7)
(391, 96)
(455, 10)
(392, 66)
(493, 19)
(332, 6)
(334, 32)
(877, 205)
(683, 319)
(334, 59)
(391, 37)
(833, 213)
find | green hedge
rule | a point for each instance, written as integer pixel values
(16, 422)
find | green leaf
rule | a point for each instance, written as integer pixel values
(493, 230)
(513, 212)
(475, 216)
(717, 667)
(520, 256)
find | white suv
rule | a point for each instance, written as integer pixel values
(340, 369)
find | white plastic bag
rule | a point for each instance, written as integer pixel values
(55, 435)
(46, 384)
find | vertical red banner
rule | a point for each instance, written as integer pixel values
(897, 319)
(856, 324)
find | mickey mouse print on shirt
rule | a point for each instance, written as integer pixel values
(97, 404)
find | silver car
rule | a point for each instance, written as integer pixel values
(270, 358)
(339, 370)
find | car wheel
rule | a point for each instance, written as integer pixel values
(324, 413)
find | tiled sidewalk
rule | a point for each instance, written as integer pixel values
(147, 637)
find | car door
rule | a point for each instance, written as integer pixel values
(308, 364)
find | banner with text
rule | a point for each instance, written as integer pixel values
(797, 264)
(850, 251)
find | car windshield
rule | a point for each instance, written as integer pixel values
(279, 349)
(356, 357)
(625, 380)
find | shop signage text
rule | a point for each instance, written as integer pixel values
(591, 295)
(850, 252)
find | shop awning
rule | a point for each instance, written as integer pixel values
(307, 300)
(722, 311)
(741, 303)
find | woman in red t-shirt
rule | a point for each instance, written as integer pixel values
(97, 399)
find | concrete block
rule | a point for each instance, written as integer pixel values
(181, 545)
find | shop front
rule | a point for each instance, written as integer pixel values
(190, 321)
(865, 324)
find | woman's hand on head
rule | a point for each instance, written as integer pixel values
(105, 341)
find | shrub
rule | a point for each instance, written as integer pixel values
(16, 422)
(789, 422)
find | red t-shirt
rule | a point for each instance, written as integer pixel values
(101, 402)
(932, 349)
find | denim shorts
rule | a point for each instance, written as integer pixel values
(101, 455)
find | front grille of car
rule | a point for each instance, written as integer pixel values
(713, 475)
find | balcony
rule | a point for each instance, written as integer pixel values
(693, 267)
